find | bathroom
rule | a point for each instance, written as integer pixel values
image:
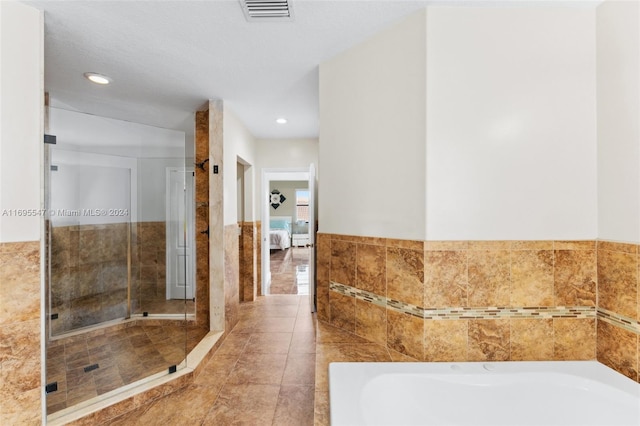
(539, 181)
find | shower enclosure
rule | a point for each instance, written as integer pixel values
(90, 241)
(120, 255)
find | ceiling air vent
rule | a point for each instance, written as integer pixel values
(267, 10)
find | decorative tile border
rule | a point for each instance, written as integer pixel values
(457, 313)
(618, 320)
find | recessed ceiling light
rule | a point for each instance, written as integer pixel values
(97, 78)
(281, 120)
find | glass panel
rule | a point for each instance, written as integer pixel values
(89, 216)
(164, 268)
(120, 259)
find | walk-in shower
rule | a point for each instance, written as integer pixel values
(119, 253)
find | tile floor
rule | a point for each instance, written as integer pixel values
(85, 366)
(270, 370)
(262, 374)
(289, 271)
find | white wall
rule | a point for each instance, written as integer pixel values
(21, 105)
(239, 146)
(618, 65)
(288, 189)
(372, 129)
(273, 154)
(505, 138)
(511, 151)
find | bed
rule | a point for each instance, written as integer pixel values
(279, 232)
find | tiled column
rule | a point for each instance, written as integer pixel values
(217, 251)
(202, 217)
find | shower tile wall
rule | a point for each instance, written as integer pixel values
(88, 274)
(20, 333)
(485, 300)
(148, 265)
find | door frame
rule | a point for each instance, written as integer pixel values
(282, 174)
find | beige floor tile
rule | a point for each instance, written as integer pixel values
(276, 343)
(321, 409)
(244, 404)
(300, 369)
(275, 325)
(295, 406)
(217, 370)
(256, 368)
(303, 342)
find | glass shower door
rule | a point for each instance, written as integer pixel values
(90, 217)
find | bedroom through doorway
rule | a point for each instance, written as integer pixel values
(287, 237)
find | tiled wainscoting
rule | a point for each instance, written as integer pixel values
(231, 276)
(148, 266)
(485, 300)
(89, 277)
(20, 367)
(619, 307)
(248, 261)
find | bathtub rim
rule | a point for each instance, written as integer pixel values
(342, 391)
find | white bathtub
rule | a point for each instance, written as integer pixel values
(534, 393)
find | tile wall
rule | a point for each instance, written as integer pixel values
(248, 261)
(148, 265)
(20, 367)
(259, 258)
(231, 276)
(90, 272)
(485, 300)
(619, 307)
(202, 217)
(89, 275)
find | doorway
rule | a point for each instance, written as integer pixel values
(288, 236)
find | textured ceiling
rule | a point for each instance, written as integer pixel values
(167, 58)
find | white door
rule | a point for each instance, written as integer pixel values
(312, 238)
(180, 237)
